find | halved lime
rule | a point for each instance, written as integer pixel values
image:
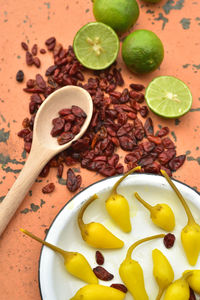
(96, 45)
(168, 96)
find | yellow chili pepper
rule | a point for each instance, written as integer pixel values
(161, 214)
(162, 271)
(98, 292)
(118, 207)
(190, 235)
(179, 289)
(131, 272)
(75, 263)
(95, 234)
(194, 280)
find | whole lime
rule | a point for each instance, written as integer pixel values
(142, 51)
(118, 14)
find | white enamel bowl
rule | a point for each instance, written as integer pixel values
(56, 284)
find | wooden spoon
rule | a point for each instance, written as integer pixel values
(44, 146)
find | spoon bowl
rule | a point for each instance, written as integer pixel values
(44, 146)
(62, 98)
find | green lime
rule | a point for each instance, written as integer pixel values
(142, 51)
(118, 14)
(168, 97)
(96, 46)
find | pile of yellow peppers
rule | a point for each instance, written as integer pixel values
(130, 271)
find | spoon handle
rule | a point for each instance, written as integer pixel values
(32, 168)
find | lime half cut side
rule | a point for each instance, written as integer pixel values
(168, 97)
(96, 45)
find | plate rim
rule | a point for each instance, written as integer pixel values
(72, 198)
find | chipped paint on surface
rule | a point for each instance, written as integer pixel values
(185, 22)
(1, 198)
(62, 181)
(191, 158)
(177, 122)
(195, 109)
(4, 135)
(163, 19)
(186, 66)
(174, 136)
(171, 5)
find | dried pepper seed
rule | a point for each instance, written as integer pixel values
(20, 76)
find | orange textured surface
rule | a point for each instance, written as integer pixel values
(177, 23)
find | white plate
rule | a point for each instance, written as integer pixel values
(57, 284)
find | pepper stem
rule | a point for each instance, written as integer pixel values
(186, 275)
(147, 205)
(59, 250)
(186, 207)
(82, 210)
(113, 191)
(160, 293)
(132, 247)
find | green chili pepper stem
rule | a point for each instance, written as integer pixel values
(113, 191)
(132, 247)
(147, 205)
(82, 210)
(160, 293)
(186, 207)
(57, 249)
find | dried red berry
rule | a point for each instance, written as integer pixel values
(49, 188)
(22, 133)
(65, 137)
(99, 258)
(192, 295)
(50, 41)
(120, 287)
(136, 86)
(73, 181)
(34, 49)
(176, 162)
(29, 58)
(20, 76)
(36, 62)
(40, 81)
(45, 171)
(163, 131)
(60, 170)
(169, 240)
(24, 46)
(42, 51)
(103, 274)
